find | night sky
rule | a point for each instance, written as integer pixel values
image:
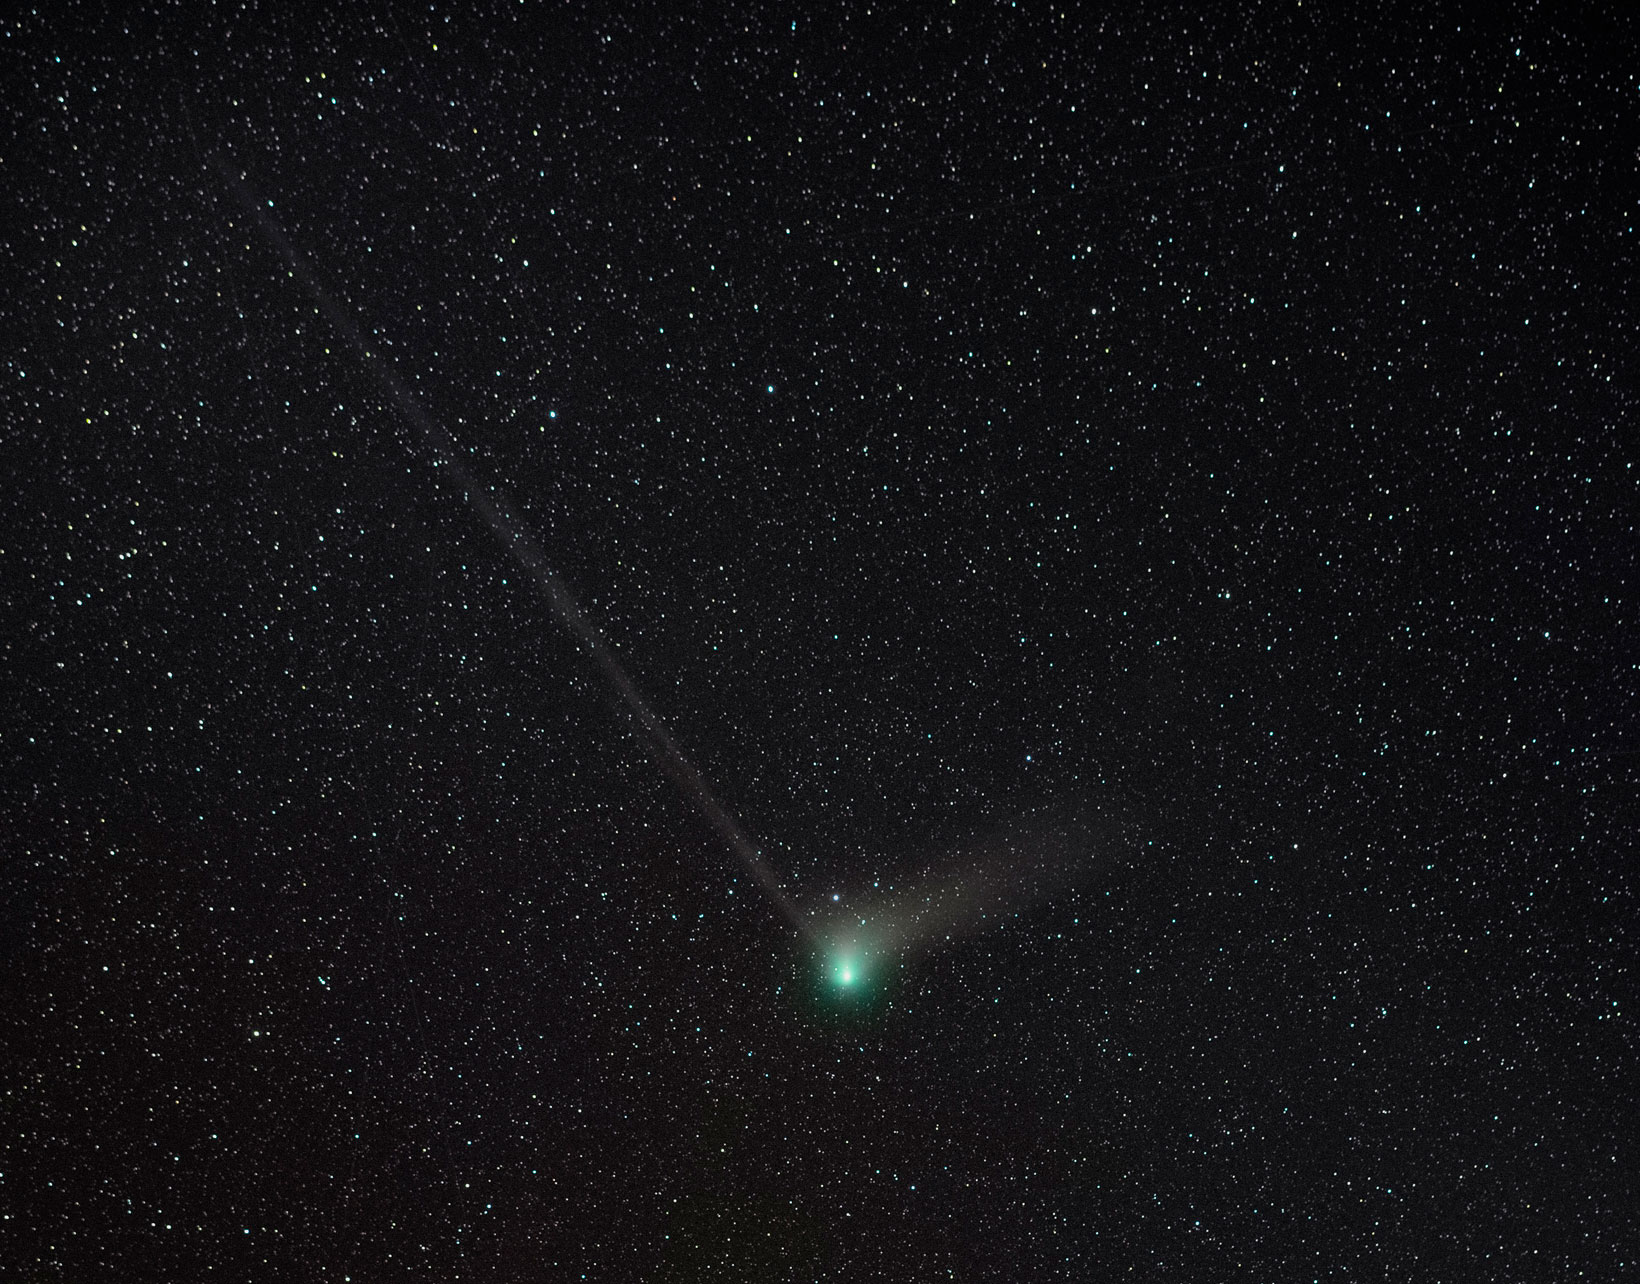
(1156, 496)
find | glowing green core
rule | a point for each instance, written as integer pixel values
(847, 971)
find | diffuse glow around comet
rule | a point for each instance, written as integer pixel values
(973, 890)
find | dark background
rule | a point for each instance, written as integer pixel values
(1225, 414)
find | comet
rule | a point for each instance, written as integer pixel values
(976, 888)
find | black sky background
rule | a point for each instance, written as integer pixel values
(1223, 418)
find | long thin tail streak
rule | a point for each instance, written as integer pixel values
(495, 507)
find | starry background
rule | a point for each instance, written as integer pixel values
(946, 411)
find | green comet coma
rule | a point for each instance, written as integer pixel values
(846, 970)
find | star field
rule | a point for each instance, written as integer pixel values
(1217, 425)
